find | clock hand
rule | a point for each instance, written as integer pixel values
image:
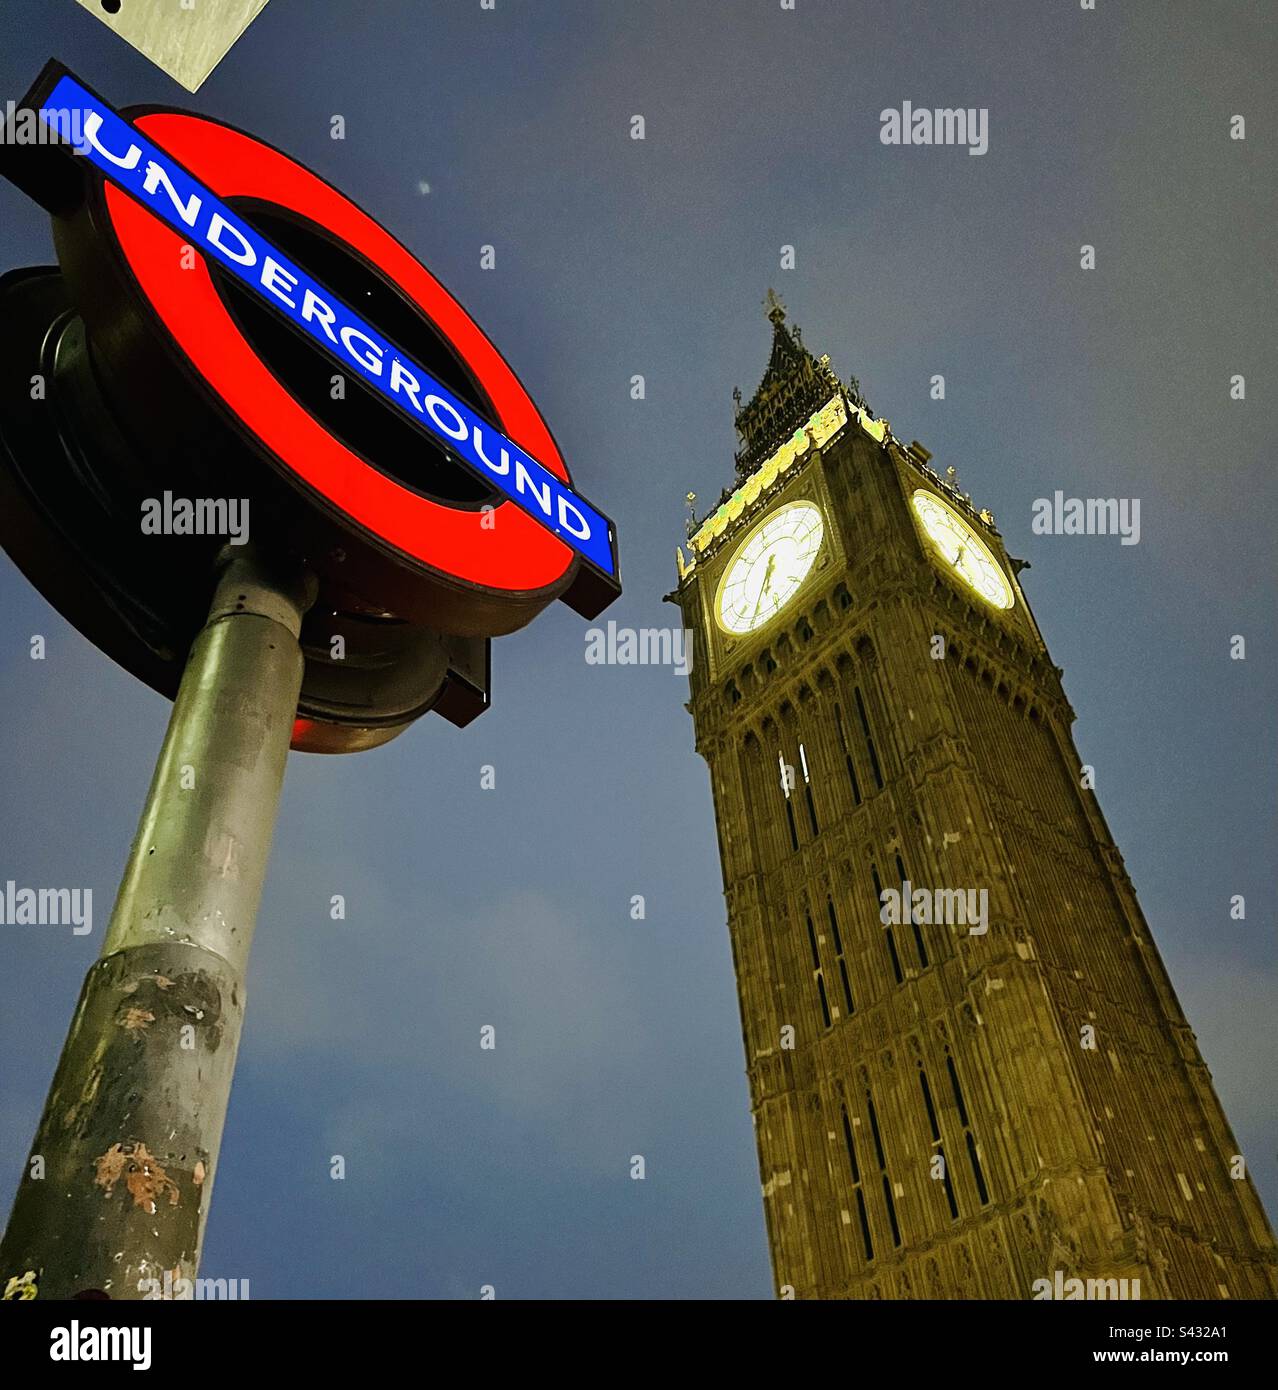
(764, 585)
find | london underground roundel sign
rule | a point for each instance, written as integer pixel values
(201, 244)
(447, 538)
(226, 329)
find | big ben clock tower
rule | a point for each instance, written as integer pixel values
(969, 1072)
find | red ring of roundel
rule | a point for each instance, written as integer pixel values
(232, 164)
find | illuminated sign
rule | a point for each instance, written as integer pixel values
(223, 323)
(160, 184)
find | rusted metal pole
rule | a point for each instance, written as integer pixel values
(130, 1132)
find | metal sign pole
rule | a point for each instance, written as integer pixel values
(118, 1184)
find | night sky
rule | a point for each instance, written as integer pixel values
(617, 257)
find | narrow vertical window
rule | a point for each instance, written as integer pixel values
(887, 929)
(874, 1130)
(807, 789)
(818, 973)
(969, 1138)
(946, 1183)
(851, 1147)
(847, 756)
(867, 1241)
(918, 935)
(789, 809)
(865, 1225)
(981, 1190)
(847, 985)
(927, 1102)
(844, 978)
(888, 1201)
(869, 738)
(891, 1210)
(834, 926)
(938, 1147)
(958, 1091)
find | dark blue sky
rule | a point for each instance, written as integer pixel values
(614, 257)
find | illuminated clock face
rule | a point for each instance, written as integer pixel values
(962, 549)
(770, 567)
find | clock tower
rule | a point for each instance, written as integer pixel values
(969, 1073)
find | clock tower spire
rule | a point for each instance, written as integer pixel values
(793, 386)
(969, 1071)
